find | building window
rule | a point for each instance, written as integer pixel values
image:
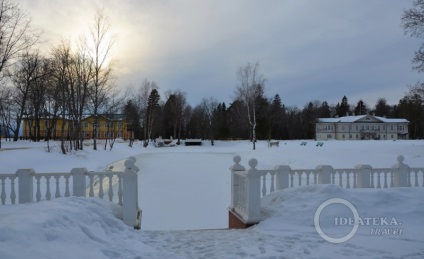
(391, 128)
(343, 136)
(329, 136)
(350, 136)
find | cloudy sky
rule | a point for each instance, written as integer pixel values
(308, 49)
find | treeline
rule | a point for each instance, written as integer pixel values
(214, 120)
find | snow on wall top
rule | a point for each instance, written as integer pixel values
(362, 118)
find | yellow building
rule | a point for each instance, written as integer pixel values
(108, 126)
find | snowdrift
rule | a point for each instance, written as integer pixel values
(89, 228)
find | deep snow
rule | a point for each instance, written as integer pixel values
(185, 189)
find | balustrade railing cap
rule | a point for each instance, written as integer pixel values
(130, 164)
(28, 171)
(400, 163)
(253, 163)
(400, 159)
(237, 166)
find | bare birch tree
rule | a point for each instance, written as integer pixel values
(62, 62)
(250, 89)
(99, 46)
(23, 77)
(82, 70)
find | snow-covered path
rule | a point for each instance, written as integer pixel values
(180, 191)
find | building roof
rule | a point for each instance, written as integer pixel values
(351, 119)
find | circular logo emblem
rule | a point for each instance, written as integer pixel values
(318, 214)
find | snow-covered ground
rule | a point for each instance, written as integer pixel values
(184, 190)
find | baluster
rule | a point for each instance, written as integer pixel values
(91, 193)
(340, 178)
(291, 179)
(120, 189)
(300, 178)
(12, 192)
(57, 193)
(101, 194)
(110, 192)
(237, 205)
(422, 173)
(348, 179)
(354, 180)
(240, 194)
(3, 192)
(67, 193)
(416, 178)
(385, 179)
(264, 185)
(372, 180)
(378, 180)
(244, 195)
(272, 182)
(333, 178)
(307, 178)
(392, 175)
(48, 193)
(38, 192)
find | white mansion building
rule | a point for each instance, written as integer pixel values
(361, 127)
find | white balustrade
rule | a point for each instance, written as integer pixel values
(46, 186)
(247, 186)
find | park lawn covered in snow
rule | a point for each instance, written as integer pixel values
(185, 189)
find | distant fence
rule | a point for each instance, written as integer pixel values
(122, 187)
(247, 186)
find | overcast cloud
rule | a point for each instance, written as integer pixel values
(308, 50)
